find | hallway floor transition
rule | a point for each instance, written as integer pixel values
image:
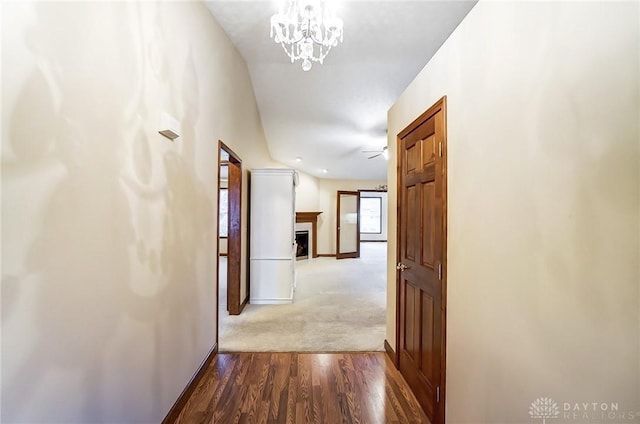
(339, 306)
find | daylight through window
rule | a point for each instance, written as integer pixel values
(223, 217)
(371, 215)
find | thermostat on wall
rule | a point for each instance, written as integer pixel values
(169, 126)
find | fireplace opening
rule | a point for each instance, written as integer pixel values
(302, 240)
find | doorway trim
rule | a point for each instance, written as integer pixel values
(438, 106)
(234, 237)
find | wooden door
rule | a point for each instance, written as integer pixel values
(234, 303)
(228, 158)
(348, 225)
(422, 257)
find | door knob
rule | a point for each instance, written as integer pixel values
(401, 266)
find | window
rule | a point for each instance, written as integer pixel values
(371, 215)
(223, 216)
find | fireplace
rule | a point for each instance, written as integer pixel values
(309, 221)
(302, 240)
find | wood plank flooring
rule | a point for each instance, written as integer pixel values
(302, 388)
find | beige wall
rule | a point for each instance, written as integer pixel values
(108, 228)
(327, 196)
(543, 160)
(307, 193)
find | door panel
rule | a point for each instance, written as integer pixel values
(234, 239)
(411, 243)
(421, 254)
(428, 232)
(428, 320)
(410, 343)
(230, 162)
(348, 225)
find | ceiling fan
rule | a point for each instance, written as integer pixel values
(384, 153)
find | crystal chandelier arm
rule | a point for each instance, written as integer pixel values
(332, 31)
(282, 33)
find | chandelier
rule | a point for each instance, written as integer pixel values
(306, 30)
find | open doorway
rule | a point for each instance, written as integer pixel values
(229, 236)
(322, 316)
(338, 306)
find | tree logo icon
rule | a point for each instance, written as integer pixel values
(544, 408)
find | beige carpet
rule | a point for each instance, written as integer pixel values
(339, 305)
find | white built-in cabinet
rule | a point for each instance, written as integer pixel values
(272, 251)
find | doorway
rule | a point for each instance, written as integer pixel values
(422, 251)
(228, 233)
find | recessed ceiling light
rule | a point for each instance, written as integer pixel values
(324, 171)
(298, 159)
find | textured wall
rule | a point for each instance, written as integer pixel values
(543, 162)
(108, 228)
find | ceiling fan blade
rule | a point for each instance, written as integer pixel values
(375, 156)
(371, 151)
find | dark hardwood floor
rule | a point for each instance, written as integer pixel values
(297, 388)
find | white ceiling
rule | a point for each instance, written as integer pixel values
(329, 115)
